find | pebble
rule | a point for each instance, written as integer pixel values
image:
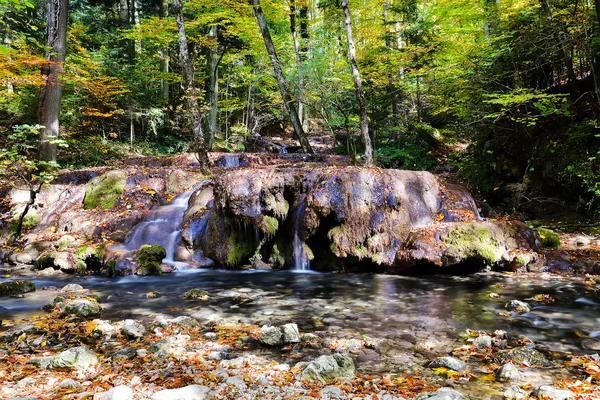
(515, 393)
(133, 329)
(483, 342)
(192, 392)
(507, 372)
(441, 394)
(448, 362)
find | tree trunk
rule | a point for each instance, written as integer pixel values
(9, 86)
(51, 92)
(136, 23)
(287, 99)
(360, 96)
(597, 6)
(298, 61)
(164, 57)
(213, 91)
(191, 93)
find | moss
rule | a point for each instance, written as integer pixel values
(31, 220)
(276, 258)
(149, 268)
(45, 260)
(64, 242)
(238, 249)
(474, 241)
(523, 260)
(269, 225)
(104, 191)
(549, 237)
(111, 267)
(196, 294)
(80, 266)
(12, 288)
(151, 253)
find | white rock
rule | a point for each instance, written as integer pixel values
(121, 392)
(551, 393)
(290, 334)
(192, 392)
(133, 329)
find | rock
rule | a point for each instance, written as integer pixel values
(331, 392)
(150, 257)
(551, 393)
(133, 329)
(62, 260)
(449, 363)
(104, 191)
(72, 287)
(327, 369)
(184, 321)
(15, 287)
(121, 392)
(196, 294)
(381, 345)
(515, 393)
(483, 341)
(27, 381)
(441, 394)
(290, 334)
(549, 238)
(507, 372)
(236, 381)
(210, 336)
(271, 335)
(192, 392)
(83, 308)
(128, 353)
(64, 242)
(69, 384)
(522, 355)
(76, 358)
(517, 306)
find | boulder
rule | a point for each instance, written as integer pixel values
(551, 393)
(515, 393)
(271, 335)
(483, 341)
(507, 372)
(449, 363)
(76, 358)
(104, 191)
(133, 329)
(196, 294)
(72, 287)
(290, 334)
(83, 308)
(327, 369)
(192, 392)
(517, 306)
(441, 394)
(150, 257)
(16, 287)
(121, 392)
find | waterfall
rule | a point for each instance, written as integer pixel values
(162, 226)
(231, 161)
(301, 261)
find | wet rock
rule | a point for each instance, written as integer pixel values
(271, 335)
(82, 308)
(551, 393)
(61, 260)
(133, 329)
(72, 287)
(192, 392)
(150, 257)
(449, 363)
(104, 191)
(522, 355)
(184, 321)
(483, 341)
(441, 394)
(381, 345)
(507, 372)
(327, 369)
(515, 393)
(517, 306)
(549, 238)
(76, 358)
(121, 392)
(196, 294)
(290, 334)
(16, 287)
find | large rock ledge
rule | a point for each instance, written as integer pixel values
(351, 219)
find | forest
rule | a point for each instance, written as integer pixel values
(300, 199)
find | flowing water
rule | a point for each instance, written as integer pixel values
(160, 227)
(301, 261)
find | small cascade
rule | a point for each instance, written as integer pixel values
(162, 226)
(232, 161)
(301, 261)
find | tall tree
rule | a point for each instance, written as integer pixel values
(358, 89)
(191, 91)
(164, 57)
(294, 32)
(52, 90)
(287, 99)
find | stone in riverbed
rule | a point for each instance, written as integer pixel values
(196, 294)
(72, 287)
(515, 393)
(507, 372)
(76, 358)
(517, 306)
(449, 363)
(184, 321)
(290, 334)
(483, 341)
(83, 308)
(331, 392)
(133, 329)
(327, 369)
(271, 335)
(192, 392)
(441, 394)
(121, 392)
(551, 393)
(522, 355)
(16, 287)
(150, 257)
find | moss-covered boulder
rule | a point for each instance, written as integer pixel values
(104, 191)
(481, 241)
(150, 257)
(16, 287)
(549, 238)
(61, 260)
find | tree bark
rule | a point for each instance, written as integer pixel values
(287, 99)
(358, 89)
(164, 57)
(191, 93)
(298, 60)
(52, 90)
(213, 91)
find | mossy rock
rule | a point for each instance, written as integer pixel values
(475, 241)
(150, 257)
(196, 294)
(31, 220)
(549, 238)
(276, 258)
(16, 287)
(269, 225)
(64, 242)
(88, 257)
(238, 249)
(45, 260)
(104, 191)
(149, 268)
